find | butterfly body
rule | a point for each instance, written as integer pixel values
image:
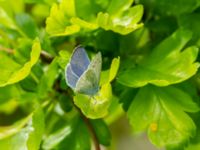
(82, 75)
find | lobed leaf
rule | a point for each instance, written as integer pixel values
(166, 65)
(123, 21)
(161, 111)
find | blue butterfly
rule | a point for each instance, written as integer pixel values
(82, 75)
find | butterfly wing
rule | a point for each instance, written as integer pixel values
(79, 61)
(88, 82)
(71, 77)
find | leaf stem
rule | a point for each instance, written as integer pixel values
(88, 124)
(91, 129)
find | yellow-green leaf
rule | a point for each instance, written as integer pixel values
(15, 72)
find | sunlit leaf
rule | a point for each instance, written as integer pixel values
(114, 68)
(96, 106)
(123, 21)
(58, 21)
(166, 65)
(109, 75)
(161, 111)
(63, 58)
(25, 134)
(15, 72)
(6, 20)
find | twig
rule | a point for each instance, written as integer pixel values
(91, 129)
(46, 56)
(88, 124)
(8, 50)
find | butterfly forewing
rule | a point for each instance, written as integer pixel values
(79, 61)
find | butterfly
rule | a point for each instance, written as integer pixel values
(83, 75)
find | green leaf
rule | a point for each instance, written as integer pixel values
(54, 139)
(25, 134)
(46, 83)
(102, 132)
(86, 10)
(166, 65)
(25, 23)
(162, 112)
(61, 22)
(114, 68)
(193, 147)
(83, 24)
(58, 22)
(12, 6)
(124, 23)
(6, 20)
(193, 24)
(96, 106)
(171, 7)
(9, 92)
(134, 41)
(15, 72)
(35, 137)
(108, 75)
(118, 6)
(74, 136)
(126, 97)
(63, 58)
(65, 102)
(8, 131)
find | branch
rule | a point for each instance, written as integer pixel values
(88, 124)
(8, 50)
(91, 129)
(46, 56)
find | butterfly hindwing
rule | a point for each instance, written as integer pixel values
(87, 84)
(71, 78)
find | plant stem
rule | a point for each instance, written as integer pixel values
(88, 124)
(8, 50)
(91, 129)
(46, 56)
